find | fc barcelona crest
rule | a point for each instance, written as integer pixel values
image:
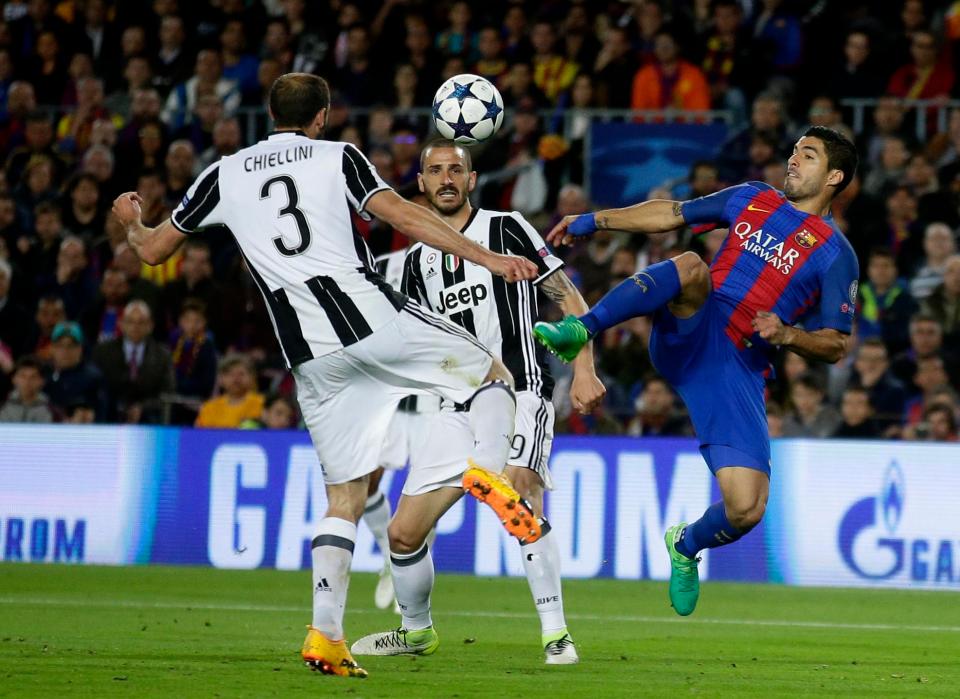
(805, 239)
(451, 262)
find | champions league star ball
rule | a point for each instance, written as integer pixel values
(468, 109)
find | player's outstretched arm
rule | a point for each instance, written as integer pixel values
(424, 226)
(824, 345)
(152, 245)
(654, 216)
(586, 389)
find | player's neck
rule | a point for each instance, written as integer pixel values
(458, 220)
(816, 206)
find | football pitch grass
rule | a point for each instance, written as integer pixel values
(156, 631)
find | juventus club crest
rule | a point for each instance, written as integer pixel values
(451, 262)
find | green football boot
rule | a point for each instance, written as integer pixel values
(565, 338)
(684, 576)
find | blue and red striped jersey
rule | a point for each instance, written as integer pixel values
(779, 259)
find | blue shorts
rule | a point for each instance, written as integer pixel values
(722, 386)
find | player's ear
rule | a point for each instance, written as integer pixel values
(834, 178)
(321, 119)
(420, 182)
(472, 181)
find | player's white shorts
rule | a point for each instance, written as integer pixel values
(406, 430)
(349, 396)
(439, 457)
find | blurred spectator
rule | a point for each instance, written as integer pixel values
(927, 75)
(890, 168)
(824, 111)
(136, 368)
(457, 39)
(944, 147)
(669, 82)
(518, 87)
(728, 63)
(195, 282)
(14, 320)
(553, 73)
(227, 140)
(102, 319)
(811, 416)
(37, 187)
(858, 74)
(857, 413)
(656, 412)
(199, 131)
(47, 68)
(939, 425)
(75, 128)
(73, 279)
(888, 120)
(932, 204)
(887, 395)
(279, 413)
(777, 29)
(944, 302)
(901, 231)
(145, 108)
(490, 64)
(516, 44)
(137, 75)
(27, 402)
(420, 54)
(360, 80)
(238, 65)
(194, 360)
(99, 162)
(926, 341)
(50, 312)
(207, 80)
(173, 62)
(71, 378)
(21, 102)
(930, 382)
(82, 214)
(767, 114)
(774, 420)
(180, 164)
(884, 303)
(614, 69)
(239, 400)
(38, 142)
(405, 87)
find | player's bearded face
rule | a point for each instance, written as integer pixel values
(806, 170)
(446, 181)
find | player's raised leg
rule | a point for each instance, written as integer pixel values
(683, 282)
(325, 649)
(541, 563)
(492, 418)
(744, 492)
(413, 576)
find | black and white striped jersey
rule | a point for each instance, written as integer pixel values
(498, 313)
(390, 267)
(287, 201)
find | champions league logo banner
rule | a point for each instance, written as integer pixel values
(841, 513)
(627, 160)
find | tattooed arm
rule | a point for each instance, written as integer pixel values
(586, 390)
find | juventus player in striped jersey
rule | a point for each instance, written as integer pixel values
(501, 316)
(355, 346)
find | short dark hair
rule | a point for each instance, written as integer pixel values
(841, 153)
(28, 361)
(296, 98)
(193, 305)
(446, 143)
(945, 410)
(881, 251)
(47, 207)
(811, 380)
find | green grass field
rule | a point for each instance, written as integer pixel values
(152, 631)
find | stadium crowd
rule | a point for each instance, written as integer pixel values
(100, 97)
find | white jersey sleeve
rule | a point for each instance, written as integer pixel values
(362, 179)
(200, 206)
(526, 242)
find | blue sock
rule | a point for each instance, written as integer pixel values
(641, 294)
(710, 531)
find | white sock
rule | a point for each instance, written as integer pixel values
(377, 517)
(413, 583)
(492, 416)
(541, 561)
(332, 553)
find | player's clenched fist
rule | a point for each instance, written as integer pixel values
(126, 207)
(771, 328)
(513, 269)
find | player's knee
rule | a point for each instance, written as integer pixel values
(745, 516)
(499, 372)
(692, 270)
(403, 538)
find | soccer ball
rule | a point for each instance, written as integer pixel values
(468, 109)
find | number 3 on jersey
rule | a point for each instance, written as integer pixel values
(293, 198)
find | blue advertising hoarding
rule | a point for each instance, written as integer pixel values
(627, 160)
(840, 513)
